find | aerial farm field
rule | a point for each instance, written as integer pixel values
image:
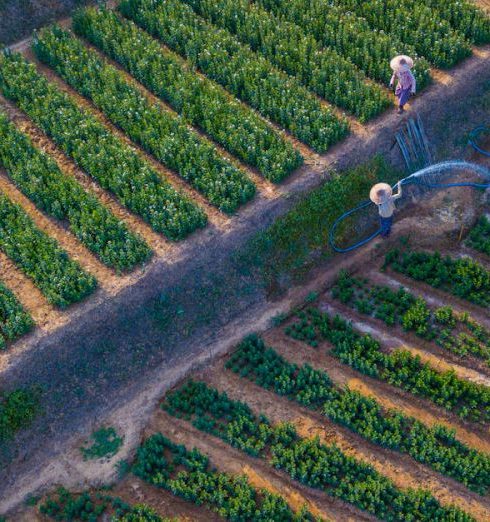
(169, 173)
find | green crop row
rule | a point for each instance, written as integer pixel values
(156, 129)
(455, 332)
(400, 368)
(435, 446)
(188, 474)
(17, 410)
(113, 164)
(200, 101)
(351, 35)
(247, 75)
(40, 179)
(306, 460)
(463, 15)
(463, 277)
(324, 71)
(14, 320)
(60, 279)
(415, 24)
(479, 236)
(93, 507)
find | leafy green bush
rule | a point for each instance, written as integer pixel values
(435, 446)
(17, 410)
(399, 367)
(308, 461)
(188, 474)
(105, 443)
(60, 279)
(464, 16)
(14, 320)
(158, 130)
(200, 101)
(113, 164)
(463, 277)
(479, 236)
(350, 35)
(287, 46)
(247, 75)
(455, 332)
(413, 23)
(62, 197)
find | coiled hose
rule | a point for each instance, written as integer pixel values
(423, 177)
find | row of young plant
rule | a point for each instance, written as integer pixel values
(435, 446)
(14, 320)
(247, 75)
(462, 277)
(189, 474)
(453, 331)
(400, 368)
(479, 236)
(416, 25)
(463, 15)
(159, 131)
(17, 410)
(60, 279)
(93, 507)
(286, 45)
(114, 165)
(38, 176)
(350, 35)
(306, 460)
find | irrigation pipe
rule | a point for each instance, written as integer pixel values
(424, 177)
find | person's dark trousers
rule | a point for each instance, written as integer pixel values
(385, 223)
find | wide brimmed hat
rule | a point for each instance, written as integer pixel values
(395, 63)
(380, 193)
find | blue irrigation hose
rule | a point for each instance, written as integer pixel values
(407, 181)
(474, 135)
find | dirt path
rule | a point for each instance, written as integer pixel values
(188, 307)
(400, 468)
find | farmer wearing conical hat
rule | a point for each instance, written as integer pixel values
(382, 195)
(407, 84)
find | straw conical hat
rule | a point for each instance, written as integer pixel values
(395, 63)
(376, 197)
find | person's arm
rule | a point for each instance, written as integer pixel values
(392, 81)
(414, 84)
(399, 191)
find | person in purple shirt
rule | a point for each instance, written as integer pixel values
(407, 84)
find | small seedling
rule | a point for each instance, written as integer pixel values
(106, 443)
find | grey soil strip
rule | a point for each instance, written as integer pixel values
(388, 396)
(258, 471)
(404, 471)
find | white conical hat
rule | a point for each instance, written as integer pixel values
(395, 63)
(380, 193)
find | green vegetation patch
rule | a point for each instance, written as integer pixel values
(106, 443)
(17, 410)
